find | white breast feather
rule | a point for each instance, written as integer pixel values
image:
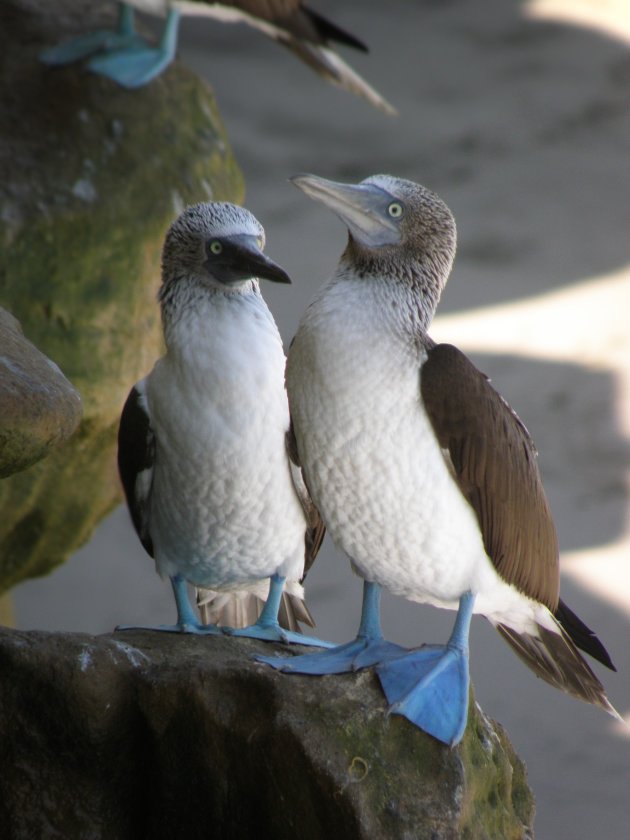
(374, 466)
(223, 509)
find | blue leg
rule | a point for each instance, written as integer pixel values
(429, 686)
(187, 621)
(367, 649)
(125, 37)
(136, 65)
(267, 627)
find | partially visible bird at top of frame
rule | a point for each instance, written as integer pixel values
(205, 450)
(128, 59)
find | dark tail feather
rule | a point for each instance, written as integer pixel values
(329, 31)
(554, 658)
(581, 635)
(242, 608)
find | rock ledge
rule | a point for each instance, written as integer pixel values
(139, 734)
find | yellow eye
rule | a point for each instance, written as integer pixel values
(216, 247)
(395, 210)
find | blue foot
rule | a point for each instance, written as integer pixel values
(430, 688)
(187, 621)
(267, 627)
(341, 659)
(272, 632)
(136, 65)
(125, 38)
(185, 627)
(87, 45)
(367, 649)
(131, 68)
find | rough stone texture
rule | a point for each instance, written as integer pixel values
(40, 408)
(91, 175)
(141, 734)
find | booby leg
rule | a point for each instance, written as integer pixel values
(104, 40)
(429, 686)
(135, 65)
(367, 649)
(187, 621)
(267, 627)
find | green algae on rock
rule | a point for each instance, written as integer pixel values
(91, 176)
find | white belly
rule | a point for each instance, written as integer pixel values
(375, 468)
(223, 507)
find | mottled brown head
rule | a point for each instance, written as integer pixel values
(399, 232)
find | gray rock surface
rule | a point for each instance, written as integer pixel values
(139, 734)
(40, 408)
(91, 175)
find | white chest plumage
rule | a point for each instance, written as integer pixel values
(373, 463)
(223, 508)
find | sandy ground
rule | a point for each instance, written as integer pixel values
(518, 115)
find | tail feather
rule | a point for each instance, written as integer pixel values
(242, 607)
(555, 658)
(332, 67)
(581, 635)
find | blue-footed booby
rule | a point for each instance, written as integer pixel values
(204, 445)
(125, 57)
(424, 476)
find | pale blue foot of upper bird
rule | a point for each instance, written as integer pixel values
(429, 686)
(267, 627)
(187, 621)
(136, 65)
(367, 649)
(124, 38)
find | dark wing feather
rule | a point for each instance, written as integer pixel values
(298, 20)
(316, 530)
(308, 35)
(136, 454)
(582, 636)
(494, 461)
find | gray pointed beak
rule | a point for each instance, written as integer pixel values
(242, 258)
(361, 207)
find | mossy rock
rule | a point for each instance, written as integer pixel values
(91, 175)
(166, 735)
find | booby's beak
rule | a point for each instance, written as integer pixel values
(240, 257)
(363, 208)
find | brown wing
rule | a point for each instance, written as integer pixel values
(494, 461)
(316, 530)
(297, 20)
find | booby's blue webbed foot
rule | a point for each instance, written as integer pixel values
(429, 686)
(187, 621)
(367, 649)
(105, 40)
(193, 627)
(137, 64)
(340, 659)
(267, 627)
(272, 632)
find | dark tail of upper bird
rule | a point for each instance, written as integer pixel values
(555, 658)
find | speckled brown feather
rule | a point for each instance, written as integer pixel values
(316, 530)
(494, 461)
